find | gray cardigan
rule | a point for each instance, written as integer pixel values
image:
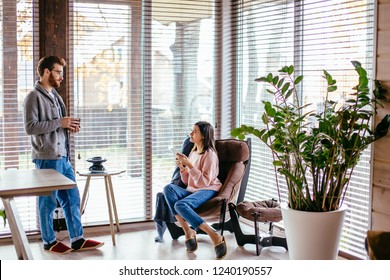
(42, 122)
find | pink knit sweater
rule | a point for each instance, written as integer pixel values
(204, 173)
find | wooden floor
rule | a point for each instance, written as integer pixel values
(136, 242)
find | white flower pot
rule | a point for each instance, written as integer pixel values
(313, 235)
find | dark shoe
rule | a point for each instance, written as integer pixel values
(57, 247)
(220, 249)
(86, 244)
(191, 244)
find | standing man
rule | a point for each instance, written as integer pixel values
(46, 121)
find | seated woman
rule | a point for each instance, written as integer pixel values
(199, 173)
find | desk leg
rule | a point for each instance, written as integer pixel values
(85, 194)
(19, 237)
(113, 202)
(106, 180)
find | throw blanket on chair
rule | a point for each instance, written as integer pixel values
(163, 215)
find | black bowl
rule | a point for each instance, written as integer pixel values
(96, 164)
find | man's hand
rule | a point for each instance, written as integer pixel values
(73, 124)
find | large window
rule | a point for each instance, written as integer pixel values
(312, 36)
(16, 79)
(142, 75)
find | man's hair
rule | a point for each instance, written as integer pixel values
(48, 62)
(207, 131)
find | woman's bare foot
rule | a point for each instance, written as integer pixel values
(216, 238)
(191, 243)
(190, 233)
(219, 240)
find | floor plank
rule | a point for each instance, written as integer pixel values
(136, 242)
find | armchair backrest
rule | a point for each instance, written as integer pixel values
(234, 159)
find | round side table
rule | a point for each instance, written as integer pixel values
(109, 193)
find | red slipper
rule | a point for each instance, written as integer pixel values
(59, 248)
(89, 244)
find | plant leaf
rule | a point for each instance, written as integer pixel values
(298, 80)
(2, 214)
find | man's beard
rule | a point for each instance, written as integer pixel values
(53, 82)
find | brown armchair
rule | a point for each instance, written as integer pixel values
(234, 163)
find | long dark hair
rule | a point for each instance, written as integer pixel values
(207, 131)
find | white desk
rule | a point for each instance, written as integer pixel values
(37, 182)
(109, 193)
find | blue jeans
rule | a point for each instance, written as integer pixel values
(182, 202)
(68, 199)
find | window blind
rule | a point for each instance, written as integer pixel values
(182, 46)
(142, 75)
(312, 35)
(16, 80)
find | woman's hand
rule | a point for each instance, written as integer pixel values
(182, 161)
(181, 167)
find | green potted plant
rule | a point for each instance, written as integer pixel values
(2, 214)
(317, 152)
